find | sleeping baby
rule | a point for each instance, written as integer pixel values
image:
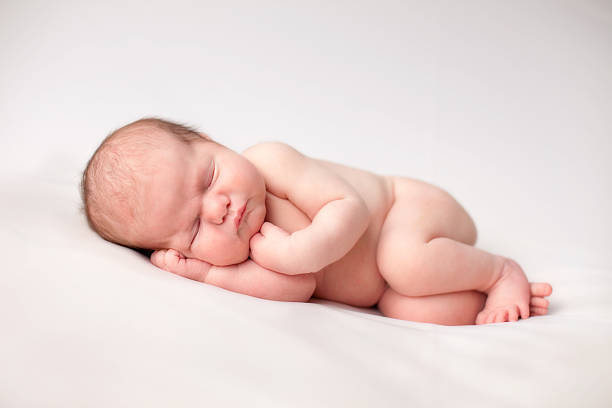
(276, 224)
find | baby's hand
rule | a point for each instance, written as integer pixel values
(271, 249)
(173, 261)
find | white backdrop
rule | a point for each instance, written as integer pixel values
(505, 104)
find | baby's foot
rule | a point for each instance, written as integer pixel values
(512, 296)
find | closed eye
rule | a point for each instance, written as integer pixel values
(195, 234)
(211, 174)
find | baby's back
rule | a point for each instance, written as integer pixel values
(354, 279)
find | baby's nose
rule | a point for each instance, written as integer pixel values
(217, 210)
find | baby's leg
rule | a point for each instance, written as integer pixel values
(450, 309)
(425, 245)
(425, 248)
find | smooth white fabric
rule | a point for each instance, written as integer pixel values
(504, 104)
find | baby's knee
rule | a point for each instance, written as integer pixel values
(468, 231)
(463, 226)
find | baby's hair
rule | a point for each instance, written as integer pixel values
(109, 183)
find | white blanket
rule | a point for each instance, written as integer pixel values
(504, 104)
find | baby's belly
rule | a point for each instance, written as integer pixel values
(354, 279)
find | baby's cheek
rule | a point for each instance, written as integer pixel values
(223, 253)
(231, 256)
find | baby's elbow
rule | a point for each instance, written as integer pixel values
(361, 213)
(304, 288)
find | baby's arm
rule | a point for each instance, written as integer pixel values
(247, 277)
(339, 215)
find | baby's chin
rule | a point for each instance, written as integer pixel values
(232, 257)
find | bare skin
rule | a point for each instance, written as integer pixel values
(329, 231)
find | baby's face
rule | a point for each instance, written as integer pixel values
(203, 200)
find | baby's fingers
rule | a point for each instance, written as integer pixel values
(168, 259)
(268, 228)
(158, 258)
(174, 260)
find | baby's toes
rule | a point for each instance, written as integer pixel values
(513, 314)
(491, 317)
(502, 316)
(524, 310)
(481, 318)
(540, 289)
(538, 306)
(538, 311)
(539, 302)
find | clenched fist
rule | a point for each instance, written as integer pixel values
(274, 248)
(173, 261)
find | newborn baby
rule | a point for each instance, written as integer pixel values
(279, 225)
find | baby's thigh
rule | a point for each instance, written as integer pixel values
(420, 213)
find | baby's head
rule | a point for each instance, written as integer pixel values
(155, 184)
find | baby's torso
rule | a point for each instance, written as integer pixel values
(354, 279)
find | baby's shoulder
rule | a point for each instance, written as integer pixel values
(287, 171)
(274, 156)
(266, 150)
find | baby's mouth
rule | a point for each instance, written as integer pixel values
(239, 214)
